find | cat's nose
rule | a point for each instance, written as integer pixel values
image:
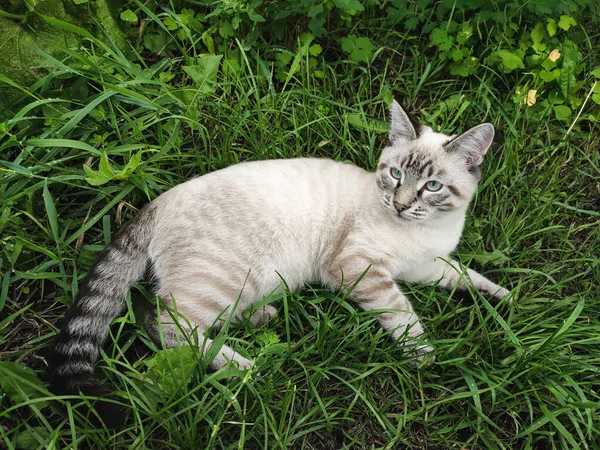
(400, 207)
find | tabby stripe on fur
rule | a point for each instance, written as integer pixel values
(100, 299)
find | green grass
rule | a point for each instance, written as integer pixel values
(327, 377)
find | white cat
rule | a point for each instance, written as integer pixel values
(234, 234)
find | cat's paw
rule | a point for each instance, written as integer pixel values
(241, 363)
(263, 315)
(422, 353)
(495, 292)
(227, 357)
(503, 295)
(416, 346)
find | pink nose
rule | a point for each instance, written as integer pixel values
(400, 207)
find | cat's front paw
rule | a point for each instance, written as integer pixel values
(496, 292)
(422, 353)
(503, 295)
(416, 346)
(263, 315)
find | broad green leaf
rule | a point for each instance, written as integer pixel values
(496, 257)
(361, 122)
(349, 4)
(255, 17)
(465, 67)
(132, 164)
(440, 39)
(549, 75)
(157, 42)
(570, 52)
(205, 73)
(94, 178)
(172, 368)
(209, 42)
(537, 36)
(315, 50)
(226, 29)
(20, 383)
(567, 78)
(348, 43)
(551, 26)
(459, 54)
(169, 22)
(316, 26)
(306, 37)
(596, 72)
(80, 2)
(314, 10)
(507, 60)
(363, 50)
(104, 166)
(32, 438)
(566, 22)
(465, 33)
(359, 48)
(562, 112)
(129, 16)
(231, 64)
(412, 23)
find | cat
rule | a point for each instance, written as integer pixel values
(221, 242)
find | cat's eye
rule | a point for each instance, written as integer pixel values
(433, 186)
(396, 173)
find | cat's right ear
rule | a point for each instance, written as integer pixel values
(401, 126)
(472, 145)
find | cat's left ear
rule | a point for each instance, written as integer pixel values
(401, 126)
(472, 145)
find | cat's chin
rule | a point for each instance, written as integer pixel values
(407, 218)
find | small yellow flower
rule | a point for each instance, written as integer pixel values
(554, 55)
(530, 100)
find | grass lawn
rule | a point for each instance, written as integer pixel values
(107, 129)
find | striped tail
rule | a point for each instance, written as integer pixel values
(101, 299)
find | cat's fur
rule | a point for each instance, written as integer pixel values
(236, 233)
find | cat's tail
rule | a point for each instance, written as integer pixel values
(101, 299)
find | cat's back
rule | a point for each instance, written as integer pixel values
(274, 217)
(292, 184)
(284, 172)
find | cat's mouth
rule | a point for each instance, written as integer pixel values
(406, 215)
(410, 216)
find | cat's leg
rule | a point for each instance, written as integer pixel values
(171, 335)
(377, 290)
(263, 315)
(450, 276)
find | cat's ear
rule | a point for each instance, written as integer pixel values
(401, 126)
(472, 145)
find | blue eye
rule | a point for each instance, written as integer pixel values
(433, 186)
(396, 173)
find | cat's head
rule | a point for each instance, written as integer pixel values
(425, 175)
